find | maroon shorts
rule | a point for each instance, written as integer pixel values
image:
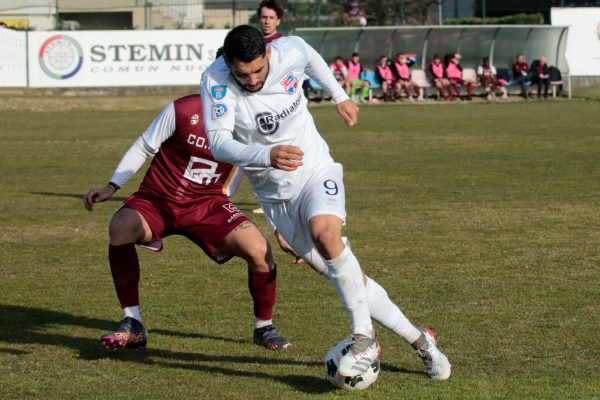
(205, 221)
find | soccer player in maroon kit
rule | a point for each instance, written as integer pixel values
(184, 192)
(269, 16)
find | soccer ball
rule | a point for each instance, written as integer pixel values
(360, 382)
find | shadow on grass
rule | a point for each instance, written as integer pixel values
(26, 325)
(243, 206)
(78, 196)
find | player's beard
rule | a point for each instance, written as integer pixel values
(256, 88)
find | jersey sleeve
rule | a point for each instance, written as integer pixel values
(317, 69)
(145, 146)
(218, 102)
(218, 107)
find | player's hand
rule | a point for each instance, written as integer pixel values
(287, 158)
(95, 195)
(348, 111)
(283, 245)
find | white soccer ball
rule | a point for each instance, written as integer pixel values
(360, 382)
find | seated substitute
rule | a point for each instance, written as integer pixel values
(540, 74)
(454, 74)
(489, 79)
(355, 69)
(521, 74)
(387, 80)
(184, 192)
(340, 72)
(401, 68)
(437, 76)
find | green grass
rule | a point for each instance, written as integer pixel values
(481, 220)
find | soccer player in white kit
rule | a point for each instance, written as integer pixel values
(256, 117)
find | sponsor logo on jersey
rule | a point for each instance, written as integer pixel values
(268, 123)
(218, 92)
(290, 83)
(219, 110)
(231, 208)
(194, 120)
(60, 57)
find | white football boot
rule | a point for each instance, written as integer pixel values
(436, 363)
(363, 352)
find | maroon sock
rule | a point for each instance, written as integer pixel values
(455, 87)
(417, 90)
(442, 95)
(125, 269)
(407, 91)
(263, 289)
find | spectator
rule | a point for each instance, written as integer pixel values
(340, 72)
(437, 76)
(269, 16)
(401, 68)
(355, 15)
(387, 80)
(489, 79)
(3, 25)
(540, 74)
(521, 74)
(354, 71)
(454, 74)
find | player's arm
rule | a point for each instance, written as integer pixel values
(317, 69)
(219, 122)
(145, 146)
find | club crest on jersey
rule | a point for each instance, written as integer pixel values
(219, 110)
(218, 92)
(194, 120)
(290, 83)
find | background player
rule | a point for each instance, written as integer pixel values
(264, 126)
(184, 192)
(270, 14)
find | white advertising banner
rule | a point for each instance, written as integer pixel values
(583, 42)
(13, 58)
(121, 58)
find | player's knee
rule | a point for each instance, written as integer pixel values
(328, 242)
(258, 254)
(121, 231)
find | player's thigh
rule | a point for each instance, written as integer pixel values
(246, 241)
(129, 226)
(208, 223)
(323, 210)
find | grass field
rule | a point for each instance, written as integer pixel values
(481, 220)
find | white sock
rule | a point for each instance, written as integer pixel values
(133, 312)
(346, 277)
(259, 323)
(384, 311)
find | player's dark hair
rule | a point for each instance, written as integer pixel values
(338, 58)
(244, 43)
(272, 5)
(486, 59)
(355, 54)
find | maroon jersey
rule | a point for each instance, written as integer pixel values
(184, 168)
(276, 36)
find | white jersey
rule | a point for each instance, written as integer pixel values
(242, 127)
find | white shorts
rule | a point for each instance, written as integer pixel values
(323, 194)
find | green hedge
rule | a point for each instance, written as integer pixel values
(517, 19)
